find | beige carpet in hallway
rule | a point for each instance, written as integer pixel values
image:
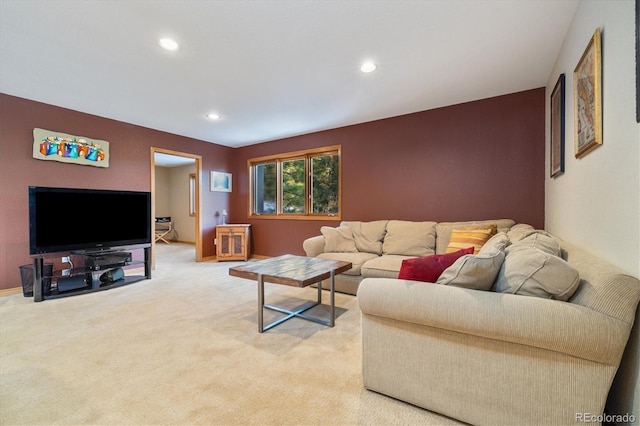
(183, 349)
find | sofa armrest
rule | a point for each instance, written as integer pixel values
(543, 323)
(313, 246)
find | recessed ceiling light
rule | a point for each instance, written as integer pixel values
(213, 116)
(368, 67)
(168, 44)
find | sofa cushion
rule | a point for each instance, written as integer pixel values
(429, 268)
(444, 229)
(472, 237)
(477, 272)
(407, 238)
(530, 271)
(338, 240)
(368, 235)
(385, 266)
(356, 259)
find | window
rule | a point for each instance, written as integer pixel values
(301, 185)
(265, 178)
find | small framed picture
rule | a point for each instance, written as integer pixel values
(220, 181)
(557, 128)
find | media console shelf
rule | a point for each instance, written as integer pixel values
(86, 279)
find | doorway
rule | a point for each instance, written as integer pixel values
(162, 156)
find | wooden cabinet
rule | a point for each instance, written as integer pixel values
(233, 242)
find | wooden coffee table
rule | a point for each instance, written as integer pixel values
(297, 271)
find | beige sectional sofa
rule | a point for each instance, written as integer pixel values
(541, 344)
(485, 357)
(377, 248)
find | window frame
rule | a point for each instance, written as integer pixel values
(307, 154)
(193, 196)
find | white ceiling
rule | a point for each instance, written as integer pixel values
(273, 69)
(168, 160)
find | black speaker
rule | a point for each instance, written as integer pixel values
(112, 275)
(72, 283)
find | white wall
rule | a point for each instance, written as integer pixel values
(163, 199)
(184, 225)
(595, 204)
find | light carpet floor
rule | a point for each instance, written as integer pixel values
(183, 348)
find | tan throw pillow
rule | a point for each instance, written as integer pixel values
(338, 240)
(530, 271)
(464, 238)
(443, 229)
(476, 272)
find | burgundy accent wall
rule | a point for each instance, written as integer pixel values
(129, 168)
(477, 160)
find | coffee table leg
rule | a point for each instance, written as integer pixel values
(260, 303)
(299, 311)
(332, 320)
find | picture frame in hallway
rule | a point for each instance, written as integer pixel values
(221, 181)
(556, 161)
(587, 98)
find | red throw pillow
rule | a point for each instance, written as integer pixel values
(429, 268)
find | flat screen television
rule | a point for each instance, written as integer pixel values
(87, 220)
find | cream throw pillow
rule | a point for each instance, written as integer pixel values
(541, 240)
(500, 241)
(536, 237)
(477, 272)
(338, 240)
(530, 271)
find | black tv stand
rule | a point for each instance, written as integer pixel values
(85, 279)
(93, 252)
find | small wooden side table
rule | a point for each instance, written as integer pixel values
(233, 242)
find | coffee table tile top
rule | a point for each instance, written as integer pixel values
(298, 271)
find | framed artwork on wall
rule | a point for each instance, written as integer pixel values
(220, 181)
(557, 128)
(587, 98)
(57, 146)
